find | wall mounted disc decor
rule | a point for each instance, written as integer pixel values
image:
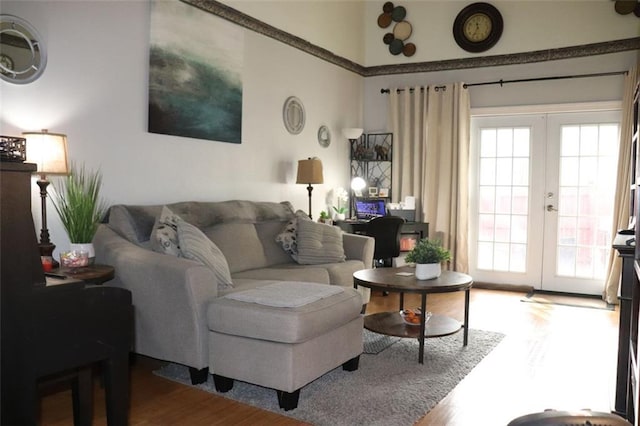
(324, 136)
(400, 31)
(293, 115)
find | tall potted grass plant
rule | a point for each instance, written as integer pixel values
(77, 200)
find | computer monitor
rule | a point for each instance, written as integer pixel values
(368, 208)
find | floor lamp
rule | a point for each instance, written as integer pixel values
(49, 152)
(310, 172)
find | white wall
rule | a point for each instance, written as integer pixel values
(532, 93)
(95, 90)
(528, 25)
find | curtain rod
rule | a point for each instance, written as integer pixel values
(524, 80)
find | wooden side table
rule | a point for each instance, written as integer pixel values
(92, 274)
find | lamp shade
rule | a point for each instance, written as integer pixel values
(48, 151)
(310, 171)
(352, 133)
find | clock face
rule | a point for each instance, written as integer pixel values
(477, 27)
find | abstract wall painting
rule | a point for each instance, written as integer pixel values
(195, 73)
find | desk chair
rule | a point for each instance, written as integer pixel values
(386, 231)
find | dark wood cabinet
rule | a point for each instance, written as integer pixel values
(627, 399)
(50, 329)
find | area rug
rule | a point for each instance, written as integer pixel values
(390, 388)
(565, 299)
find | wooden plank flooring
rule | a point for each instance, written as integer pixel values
(552, 357)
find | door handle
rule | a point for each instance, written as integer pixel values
(550, 208)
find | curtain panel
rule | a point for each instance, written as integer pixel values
(621, 206)
(431, 160)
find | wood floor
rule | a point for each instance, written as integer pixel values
(552, 357)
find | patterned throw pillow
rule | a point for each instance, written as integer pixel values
(195, 245)
(164, 237)
(287, 238)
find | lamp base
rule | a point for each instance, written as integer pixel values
(46, 249)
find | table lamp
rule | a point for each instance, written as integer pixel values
(49, 152)
(310, 172)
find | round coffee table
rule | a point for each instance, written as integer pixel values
(402, 280)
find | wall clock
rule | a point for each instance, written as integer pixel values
(477, 27)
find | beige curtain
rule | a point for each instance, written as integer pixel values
(431, 160)
(621, 207)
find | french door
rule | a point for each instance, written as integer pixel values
(542, 189)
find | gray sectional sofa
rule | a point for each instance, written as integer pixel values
(171, 294)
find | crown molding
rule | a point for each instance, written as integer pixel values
(232, 15)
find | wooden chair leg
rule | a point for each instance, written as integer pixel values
(82, 394)
(116, 379)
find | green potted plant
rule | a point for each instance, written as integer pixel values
(77, 200)
(325, 218)
(428, 256)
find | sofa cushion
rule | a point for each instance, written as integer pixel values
(195, 245)
(288, 272)
(319, 243)
(240, 244)
(133, 222)
(164, 237)
(287, 325)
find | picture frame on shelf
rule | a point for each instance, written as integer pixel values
(383, 192)
(373, 191)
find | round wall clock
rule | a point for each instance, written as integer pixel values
(478, 27)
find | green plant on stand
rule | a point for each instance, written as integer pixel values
(428, 256)
(78, 203)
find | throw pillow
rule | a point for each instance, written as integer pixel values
(287, 238)
(164, 237)
(195, 245)
(319, 243)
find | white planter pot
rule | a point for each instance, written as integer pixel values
(88, 247)
(339, 216)
(428, 271)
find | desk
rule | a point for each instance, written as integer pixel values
(411, 231)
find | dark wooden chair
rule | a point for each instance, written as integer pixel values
(386, 231)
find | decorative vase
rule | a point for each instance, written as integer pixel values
(340, 216)
(428, 271)
(88, 247)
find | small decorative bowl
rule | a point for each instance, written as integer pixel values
(412, 316)
(74, 259)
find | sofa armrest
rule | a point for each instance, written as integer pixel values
(170, 298)
(359, 247)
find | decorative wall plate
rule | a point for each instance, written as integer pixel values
(293, 115)
(324, 136)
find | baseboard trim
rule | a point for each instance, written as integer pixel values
(503, 287)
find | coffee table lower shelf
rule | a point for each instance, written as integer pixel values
(391, 324)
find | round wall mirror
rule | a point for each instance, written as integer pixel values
(23, 57)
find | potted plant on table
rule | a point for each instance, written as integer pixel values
(428, 256)
(78, 203)
(340, 209)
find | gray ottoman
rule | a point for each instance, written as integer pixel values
(283, 336)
